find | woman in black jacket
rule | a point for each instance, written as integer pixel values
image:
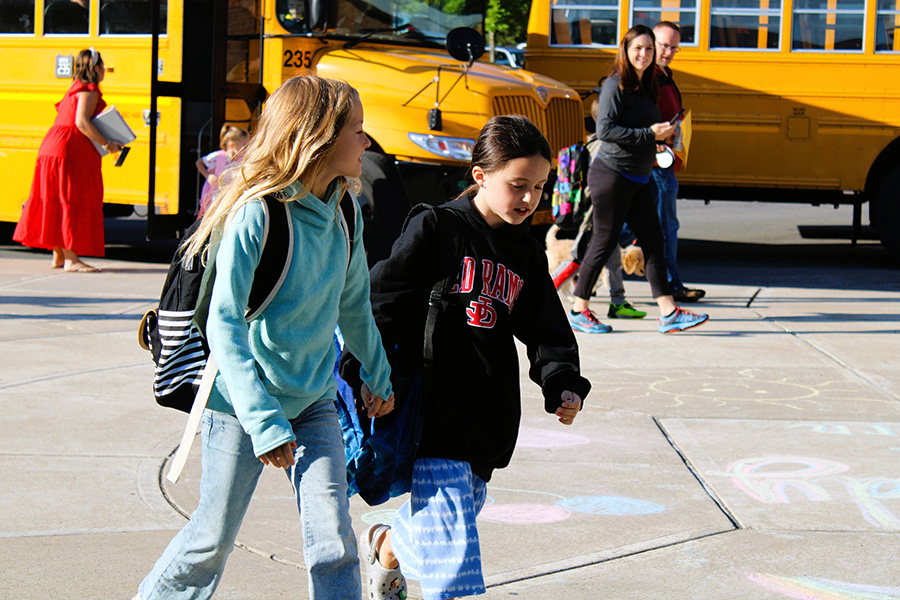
(628, 124)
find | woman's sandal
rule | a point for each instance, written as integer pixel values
(382, 583)
(81, 267)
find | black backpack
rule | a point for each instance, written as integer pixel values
(174, 332)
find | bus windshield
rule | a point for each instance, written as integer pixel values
(391, 21)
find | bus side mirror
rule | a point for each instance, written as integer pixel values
(465, 44)
(320, 13)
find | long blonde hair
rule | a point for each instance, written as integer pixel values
(297, 132)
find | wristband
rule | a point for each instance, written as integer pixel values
(106, 145)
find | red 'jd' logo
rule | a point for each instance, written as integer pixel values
(481, 313)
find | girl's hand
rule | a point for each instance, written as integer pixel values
(114, 147)
(212, 180)
(569, 410)
(281, 457)
(662, 130)
(376, 406)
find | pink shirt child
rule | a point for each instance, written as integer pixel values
(216, 163)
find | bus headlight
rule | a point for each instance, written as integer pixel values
(446, 147)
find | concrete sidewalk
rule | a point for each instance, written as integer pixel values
(756, 457)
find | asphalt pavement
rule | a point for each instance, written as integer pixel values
(756, 457)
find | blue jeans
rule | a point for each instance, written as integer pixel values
(666, 187)
(192, 564)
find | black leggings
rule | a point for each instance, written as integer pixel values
(617, 200)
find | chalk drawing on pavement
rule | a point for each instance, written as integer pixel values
(815, 588)
(835, 429)
(534, 437)
(611, 505)
(768, 480)
(541, 508)
(379, 516)
(781, 479)
(524, 514)
(746, 388)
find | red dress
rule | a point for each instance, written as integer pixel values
(65, 207)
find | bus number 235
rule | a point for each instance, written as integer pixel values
(298, 58)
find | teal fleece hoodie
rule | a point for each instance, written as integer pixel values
(276, 366)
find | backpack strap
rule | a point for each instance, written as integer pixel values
(348, 214)
(179, 459)
(278, 250)
(278, 247)
(437, 296)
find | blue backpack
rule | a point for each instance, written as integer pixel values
(381, 451)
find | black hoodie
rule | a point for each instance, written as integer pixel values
(501, 289)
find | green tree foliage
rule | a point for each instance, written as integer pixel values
(508, 19)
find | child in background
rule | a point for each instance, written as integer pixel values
(231, 141)
(503, 292)
(273, 398)
(619, 307)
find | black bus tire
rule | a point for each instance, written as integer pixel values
(885, 212)
(6, 232)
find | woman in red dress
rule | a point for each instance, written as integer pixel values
(64, 212)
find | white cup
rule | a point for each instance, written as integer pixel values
(665, 159)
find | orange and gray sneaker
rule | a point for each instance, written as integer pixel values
(680, 320)
(587, 322)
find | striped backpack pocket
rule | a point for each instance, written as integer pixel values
(171, 332)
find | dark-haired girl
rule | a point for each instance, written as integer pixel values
(64, 212)
(502, 291)
(628, 124)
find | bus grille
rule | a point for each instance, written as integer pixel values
(561, 122)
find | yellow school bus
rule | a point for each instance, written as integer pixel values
(179, 69)
(791, 100)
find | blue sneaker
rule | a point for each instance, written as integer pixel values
(587, 322)
(680, 320)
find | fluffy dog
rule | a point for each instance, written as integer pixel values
(633, 260)
(558, 250)
(559, 255)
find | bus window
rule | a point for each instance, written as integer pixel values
(411, 21)
(828, 24)
(66, 16)
(887, 21)
(292, 15)
(242, 58)
(682, 12)
(584, 22)
(745, 24)
(17, 16)
(129, 17)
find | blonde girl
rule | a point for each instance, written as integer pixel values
(231, 141)
(272, 403)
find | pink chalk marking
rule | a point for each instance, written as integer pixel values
(532, 437)
(524, 514)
